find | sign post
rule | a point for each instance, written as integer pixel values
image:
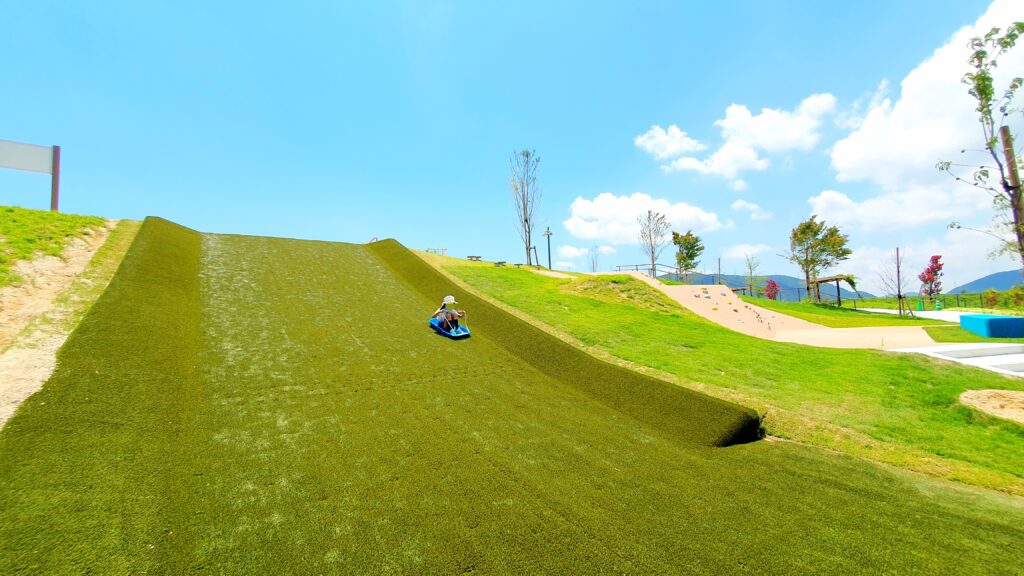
(33, 158)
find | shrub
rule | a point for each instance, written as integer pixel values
(990, 298)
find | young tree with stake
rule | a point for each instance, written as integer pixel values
(931, 278)
(752, 265)
(525, 194)
(653, 227)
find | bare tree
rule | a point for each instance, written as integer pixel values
(653, 238)
(893, 278)
(594, 260)
(752, 265)
(525, 193)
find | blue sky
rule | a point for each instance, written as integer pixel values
(344, 121)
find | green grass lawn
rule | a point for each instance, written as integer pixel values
(241, 405)
(26, 233)
(835, 317)
(895, 408)
(954, 333)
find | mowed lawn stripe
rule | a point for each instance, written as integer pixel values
(322, 427)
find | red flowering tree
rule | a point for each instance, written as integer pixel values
(931, 283)
(771, 289)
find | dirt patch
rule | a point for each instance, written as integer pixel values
(552, 274)
(1007, 404)
(27, 363)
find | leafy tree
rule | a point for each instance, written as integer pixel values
(688, 251)
(771, 289)
(525, 194)
(1006, 193)
(931, 283)
(653, 227)
(814, 246)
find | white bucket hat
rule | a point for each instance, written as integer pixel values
(450, 300)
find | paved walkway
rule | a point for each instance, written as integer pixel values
(720, 305)
(945, 315)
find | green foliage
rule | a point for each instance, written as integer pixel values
(814, 246)
(688, 250)
(26, 233)
(990, 298)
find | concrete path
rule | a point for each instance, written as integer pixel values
(720, 305)
(944, 315)
(1007, 359)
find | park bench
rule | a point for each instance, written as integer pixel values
(500, 263)
(473, 258)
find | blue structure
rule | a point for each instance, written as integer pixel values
(993, 326)
(460, 332)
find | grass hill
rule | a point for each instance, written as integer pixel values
(26, 233)
(244, 405)
(999, 281)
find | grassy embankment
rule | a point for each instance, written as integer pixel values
(894, 408)
(240, 405)
(26, 233)
(835, 317)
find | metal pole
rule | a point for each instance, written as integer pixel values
(55, 180)
(547, 234)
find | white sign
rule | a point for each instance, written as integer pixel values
(26, 157)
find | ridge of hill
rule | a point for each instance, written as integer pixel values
(998, 281)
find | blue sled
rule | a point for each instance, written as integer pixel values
(460, 332)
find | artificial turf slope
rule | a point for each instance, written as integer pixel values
(253, 405)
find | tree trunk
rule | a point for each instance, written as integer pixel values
(807, 282)
(1011, 185)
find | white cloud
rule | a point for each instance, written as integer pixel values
(756, 212)
(612, 219)
(664, 144)
(726, 162)
(567, 251)
(741, 250)
(745, 135)
(898, 142)
(606, 250)
(964, 252)
(898, 210)
(853, 117)
(775, 130)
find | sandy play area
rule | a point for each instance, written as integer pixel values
(1007, 404)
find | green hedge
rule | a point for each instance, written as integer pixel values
(678, 412)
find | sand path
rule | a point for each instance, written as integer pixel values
(28, 357)
(552, 274)
(722, 306)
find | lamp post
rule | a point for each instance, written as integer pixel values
(547, 234)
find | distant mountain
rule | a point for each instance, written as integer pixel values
(1000, 281)
(791, 289)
